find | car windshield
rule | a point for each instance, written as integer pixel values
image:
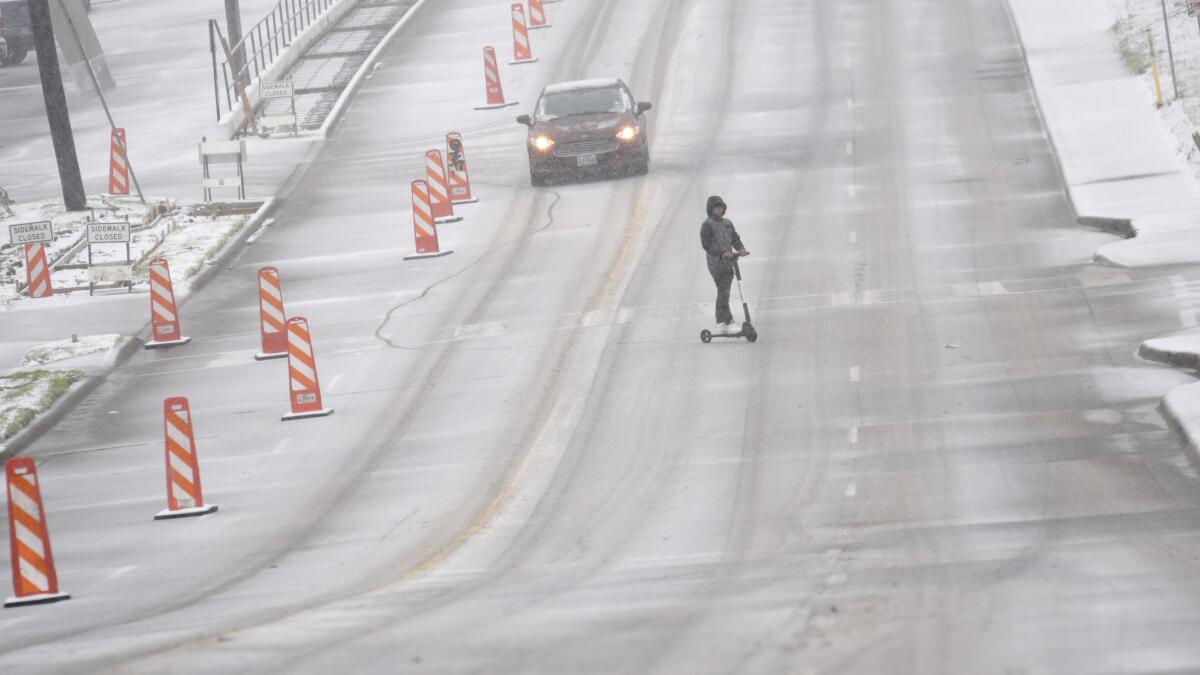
(582, 102)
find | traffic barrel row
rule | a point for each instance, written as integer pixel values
(447, 182)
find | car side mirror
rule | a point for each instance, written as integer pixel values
(524, 119)
(643, 107)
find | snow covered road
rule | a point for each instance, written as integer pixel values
(941, 456)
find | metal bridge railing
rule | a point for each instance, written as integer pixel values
(245, 61)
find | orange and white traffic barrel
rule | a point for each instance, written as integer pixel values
(37, 271)
(522, 51)
(457, 173)
(491, 82)
(184, 494)
(271, 316)
(164, 316)
(537, 15)
(439, 189)
(303, 383)
(424, 227)
(118, 164)
(34, 578)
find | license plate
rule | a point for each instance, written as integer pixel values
(586, 160)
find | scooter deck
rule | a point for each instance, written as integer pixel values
(747, 332)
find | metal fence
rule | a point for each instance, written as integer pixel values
(258, 48)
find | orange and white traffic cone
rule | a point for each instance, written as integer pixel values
(456, 170)
(491, 82)
(302, 373)
(439, 189)
(118, 164)
(271, 316)
(184, 495)
(34, 578)
(37, 271)
(522, 51)
(164, 319)
(424, 227)
(537, 15)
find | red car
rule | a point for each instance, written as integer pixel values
(590, 127)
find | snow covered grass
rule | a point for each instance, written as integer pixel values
(68, 349)
(69, 229)
(1180, 116)
(25, 395)
(195, 239)
(187, 237)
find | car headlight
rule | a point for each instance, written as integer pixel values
(628, 133)
(542, 142)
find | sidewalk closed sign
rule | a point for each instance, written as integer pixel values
(108, 233)
(276, 89)
(30, 233)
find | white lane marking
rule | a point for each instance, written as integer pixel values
(849, 148)
(120, 570)
(988, 288)
(1094, 279)
(835, 579)
(853, 237)
(855, 376)
(833, 553)
(851, 489)
(489, 329)
(280, 446)
(852, 190)
(333, 383)
(852, 435)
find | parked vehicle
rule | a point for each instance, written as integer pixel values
(588, 127)
(15, 30)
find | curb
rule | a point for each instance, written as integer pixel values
(343, 102)
(234, 244)
(1037, 102)
(1122, 227)
(1168, 357)
(66, 403)
(1189, 433)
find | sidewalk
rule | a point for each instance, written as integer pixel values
(1121, 161)
(1118, 159)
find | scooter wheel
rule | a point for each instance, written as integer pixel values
(705, 336)
(751, 335)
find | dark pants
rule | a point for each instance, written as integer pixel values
(722, 274)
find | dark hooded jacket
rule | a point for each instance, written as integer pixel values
(717, 235)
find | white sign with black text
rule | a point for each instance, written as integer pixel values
(276, 89)
(108, 233)
(30, 233)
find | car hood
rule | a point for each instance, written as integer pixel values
(584, 127)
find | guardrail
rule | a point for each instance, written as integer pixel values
(236, 67)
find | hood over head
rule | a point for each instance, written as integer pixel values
(713, 202)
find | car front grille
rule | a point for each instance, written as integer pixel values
(576, 148)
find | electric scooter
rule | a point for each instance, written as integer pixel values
(747, 330)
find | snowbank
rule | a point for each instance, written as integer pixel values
(24, 395)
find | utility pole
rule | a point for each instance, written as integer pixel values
(233, 25)
(55, 99)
